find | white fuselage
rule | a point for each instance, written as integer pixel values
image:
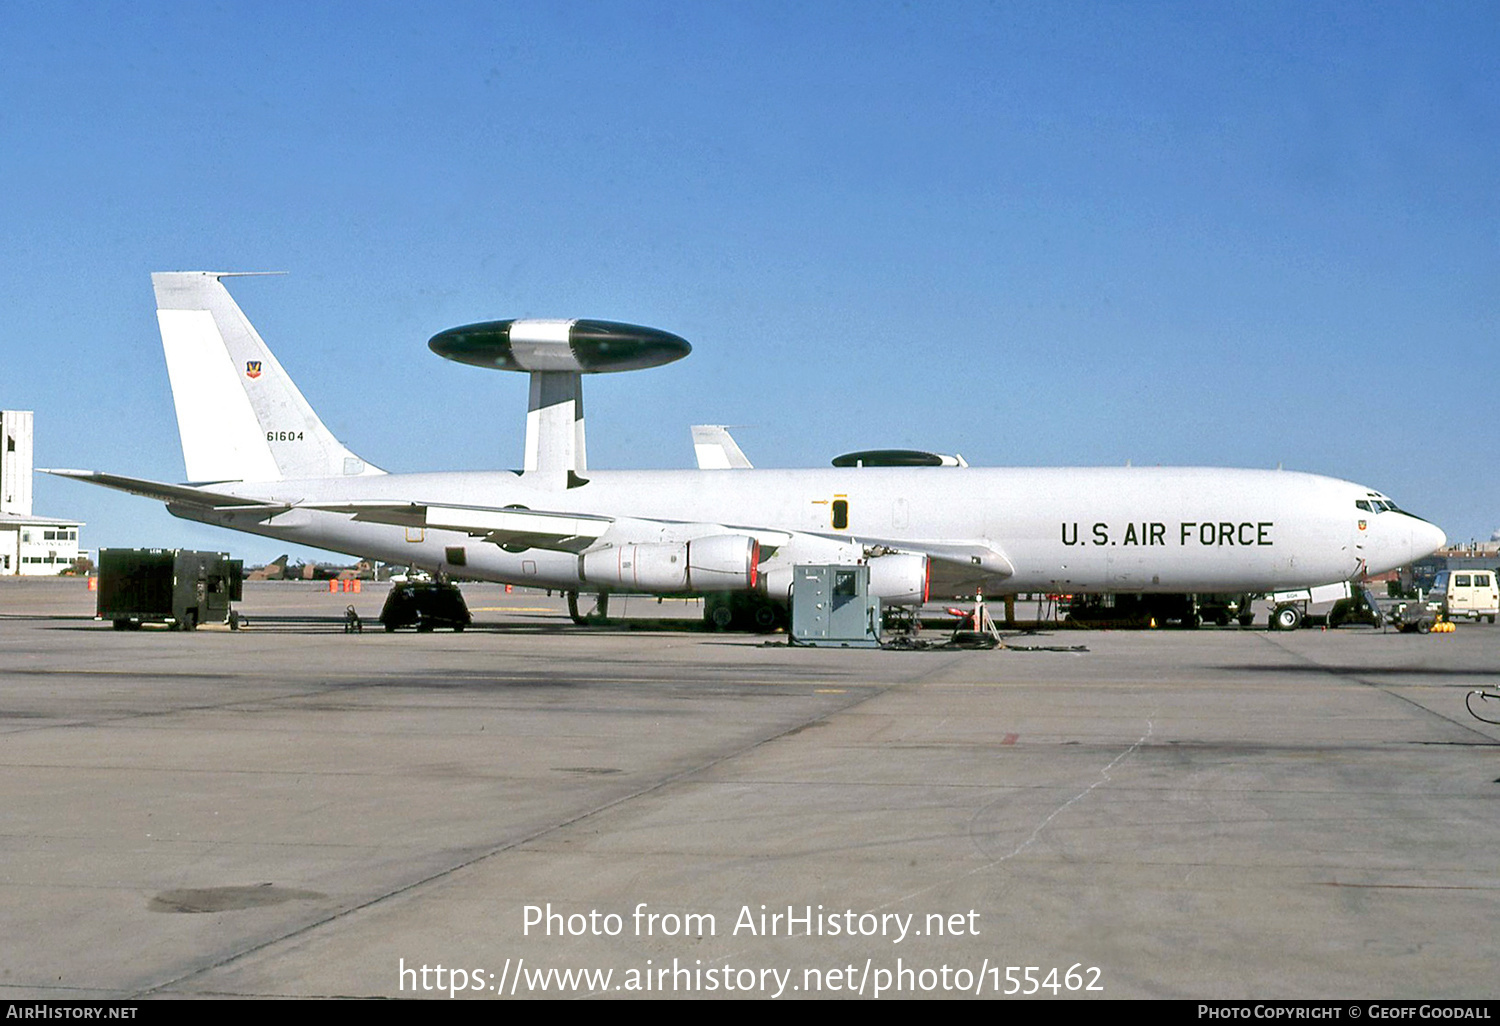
(1112, 529)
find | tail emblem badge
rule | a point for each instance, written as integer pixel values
(252, 368)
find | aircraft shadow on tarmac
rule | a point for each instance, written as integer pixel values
(1364, 670)
(336, 625)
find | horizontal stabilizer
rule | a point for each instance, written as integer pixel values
(179, 494)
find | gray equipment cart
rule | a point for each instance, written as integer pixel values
(832, 605)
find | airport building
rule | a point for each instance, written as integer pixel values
(1469, 556)
(30, 545)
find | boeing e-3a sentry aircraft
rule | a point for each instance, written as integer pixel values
(259, 459)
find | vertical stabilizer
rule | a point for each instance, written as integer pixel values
(716, 448)
(240, 417)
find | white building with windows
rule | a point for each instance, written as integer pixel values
(29, 545)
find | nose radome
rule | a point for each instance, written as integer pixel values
(1426, 539)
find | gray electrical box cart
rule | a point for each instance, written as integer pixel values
(832, 605)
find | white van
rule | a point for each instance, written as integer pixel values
(1470, 593)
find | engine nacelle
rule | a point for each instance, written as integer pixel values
(898, 579)
(718, 563)
(901, 578)
(777, 584)
(725, 562)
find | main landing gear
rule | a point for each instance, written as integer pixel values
(584, 614)
(734, 612)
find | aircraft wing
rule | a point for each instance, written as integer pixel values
(958, 567)
(539, 529)
(954, 565)
(979, 557)
(565, 532)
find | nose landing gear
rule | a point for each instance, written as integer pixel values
(1286, 617)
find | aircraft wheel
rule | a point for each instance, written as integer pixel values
(765, 618)
(189, 622)
(1286, 618)
(1222, 619)
(718, 614)
(1246, 619)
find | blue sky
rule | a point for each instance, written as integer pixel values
(1037, 234)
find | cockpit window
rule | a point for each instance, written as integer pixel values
(1376, 503)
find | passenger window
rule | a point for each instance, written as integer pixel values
(840, 514)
